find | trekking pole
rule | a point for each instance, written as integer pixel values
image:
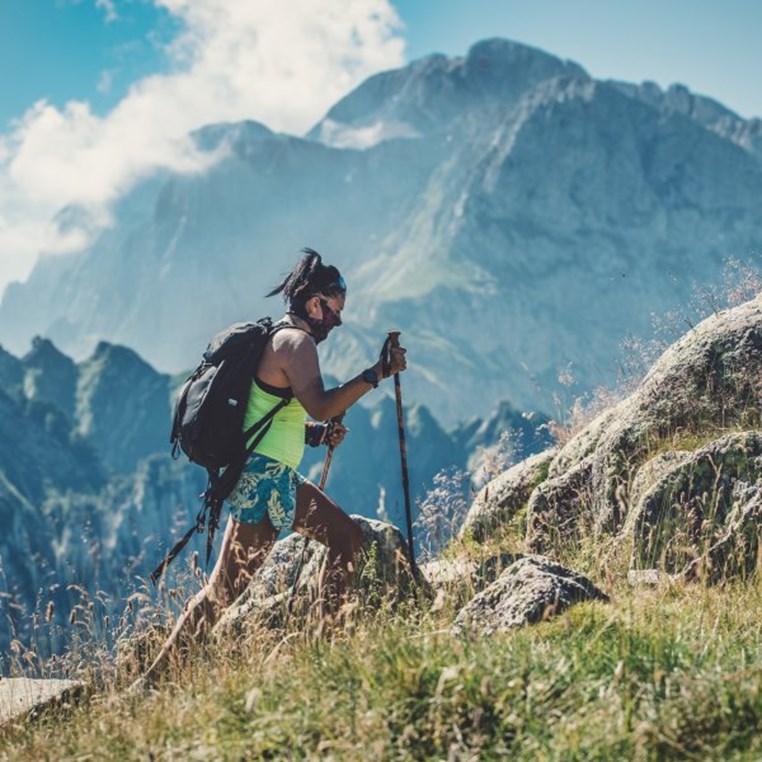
(303, 554)
(394, 341)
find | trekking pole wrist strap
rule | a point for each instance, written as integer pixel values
(386, 358)
(315, 433)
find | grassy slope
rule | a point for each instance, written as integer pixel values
(672, 672)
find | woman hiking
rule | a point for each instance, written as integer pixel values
(271, 495)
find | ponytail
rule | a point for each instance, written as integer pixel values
(309, 277)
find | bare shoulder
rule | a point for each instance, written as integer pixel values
(289, 341)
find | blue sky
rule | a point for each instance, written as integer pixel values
(69, 49)
(96, 94)
(61, 50)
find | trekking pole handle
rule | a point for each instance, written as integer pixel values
(394, 342)
(329, 455)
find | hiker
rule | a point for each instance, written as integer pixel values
(271, 495)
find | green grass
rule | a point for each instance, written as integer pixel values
(667, 673)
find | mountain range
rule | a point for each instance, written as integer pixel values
(510, 214)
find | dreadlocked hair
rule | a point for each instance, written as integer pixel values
(309, 277)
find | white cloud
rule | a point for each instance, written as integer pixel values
(105, 81)
(109, 8)
(282, 62)
(340, 136)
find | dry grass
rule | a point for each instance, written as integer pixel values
(673, 671)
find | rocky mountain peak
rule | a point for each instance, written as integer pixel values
(43, 351)
(428, 96)
(499, 62)
(49, 375)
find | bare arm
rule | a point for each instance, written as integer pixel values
(297, 356)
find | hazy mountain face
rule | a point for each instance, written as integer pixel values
(505, 211)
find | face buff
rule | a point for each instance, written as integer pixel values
(320, 328)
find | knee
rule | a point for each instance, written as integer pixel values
(345, 542)
(354, 539)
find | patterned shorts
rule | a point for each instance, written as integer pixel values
(266, 487)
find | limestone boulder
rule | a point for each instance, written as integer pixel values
(700, 513)
(23, 698)
(499, 500)
(530, 590)
(383, 574)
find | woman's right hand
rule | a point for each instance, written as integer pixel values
(397, 360)
(393, 360)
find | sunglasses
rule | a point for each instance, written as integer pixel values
(337, 288)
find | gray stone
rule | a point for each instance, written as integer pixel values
(383, 574)
(530, 590)
(24, 698)
(581, 445)
(557, 512)
(499, 501)
(699, 513)
(469, 573)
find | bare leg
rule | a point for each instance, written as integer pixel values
(244, 549)
(319, 518)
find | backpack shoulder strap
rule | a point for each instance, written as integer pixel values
(281, 324)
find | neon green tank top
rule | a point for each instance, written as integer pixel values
(284, 441)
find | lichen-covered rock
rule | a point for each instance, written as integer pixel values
(469, 573)
(581, 445)
(652, 472)
(530, 590)
(557, 509)
(499, 500)
(383, 574)
(710, 380)
(700, 513)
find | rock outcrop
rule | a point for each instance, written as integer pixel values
(707, 384)
(699, 513)
(674, 470)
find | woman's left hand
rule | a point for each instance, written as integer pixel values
(336, 433)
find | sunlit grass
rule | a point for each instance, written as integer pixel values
(673, 671)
